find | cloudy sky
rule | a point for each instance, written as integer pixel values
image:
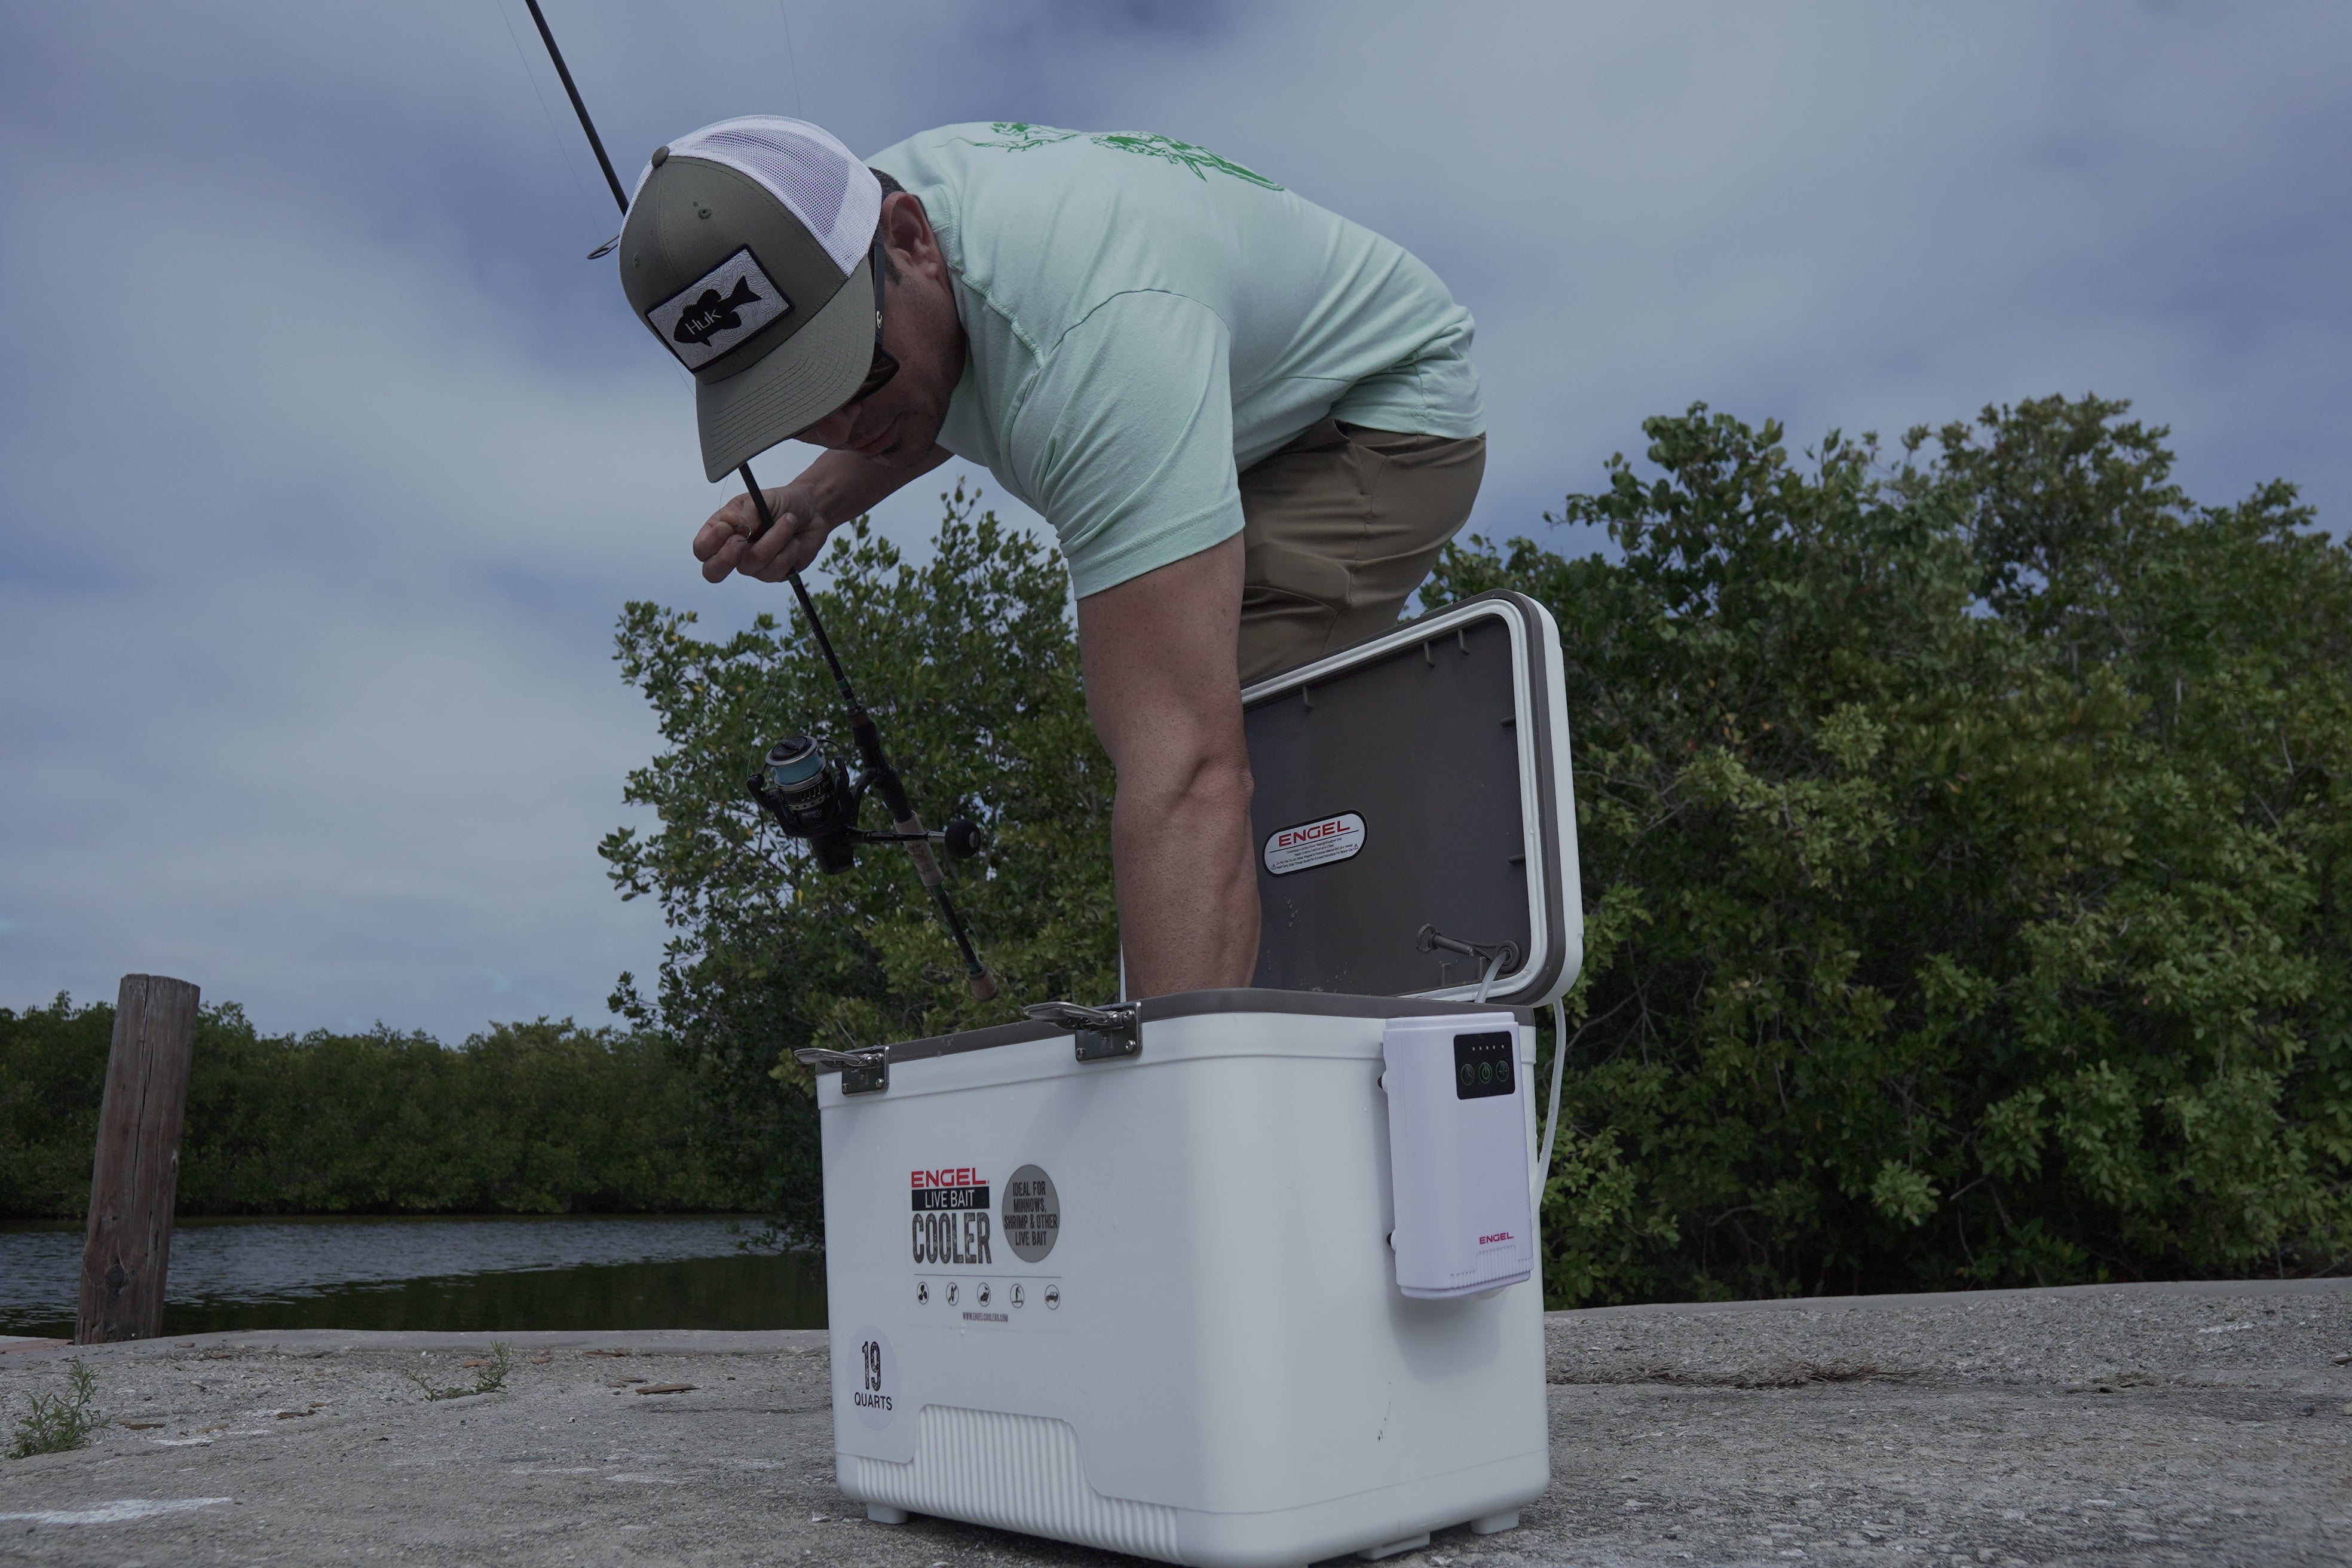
(327, 462)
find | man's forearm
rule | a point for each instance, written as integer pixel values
(845, 484)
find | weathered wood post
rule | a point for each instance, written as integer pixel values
(137, 1171)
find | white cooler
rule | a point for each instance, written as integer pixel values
(1189, 1282)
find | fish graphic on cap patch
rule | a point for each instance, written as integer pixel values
(709, 315)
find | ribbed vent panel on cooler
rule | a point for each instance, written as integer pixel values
(1016, 1472)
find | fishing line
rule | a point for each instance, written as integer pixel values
(792, 55)
(554, 133)
(879, 776)
(595, 142)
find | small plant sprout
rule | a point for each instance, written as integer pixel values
(59, 1422)
(490, 1375)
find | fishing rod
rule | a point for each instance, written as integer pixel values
(812, 795)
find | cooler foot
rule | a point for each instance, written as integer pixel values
(1495, 1523)
(883, 1513)
(1410, 1544)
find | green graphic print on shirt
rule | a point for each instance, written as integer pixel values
(1020, 137)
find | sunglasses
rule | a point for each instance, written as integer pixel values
(878, 373)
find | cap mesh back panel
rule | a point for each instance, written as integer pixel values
(796, 168)
(832, 193)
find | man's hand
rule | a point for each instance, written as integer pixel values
(837, 486)
(723, 544)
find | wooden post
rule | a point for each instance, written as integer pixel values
(137, 1172)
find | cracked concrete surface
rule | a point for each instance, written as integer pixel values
(2204, 1423)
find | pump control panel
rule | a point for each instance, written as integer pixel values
(1458, 1154)
(1482, 1064)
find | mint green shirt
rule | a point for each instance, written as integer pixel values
(1145, 318)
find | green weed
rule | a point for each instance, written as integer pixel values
(60, 1422)
(489, 1378)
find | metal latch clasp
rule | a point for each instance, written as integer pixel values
(866, 1071)
(1103, 1034)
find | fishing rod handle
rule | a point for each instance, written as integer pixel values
(927, 867)
(976, 977)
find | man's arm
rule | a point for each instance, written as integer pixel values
(1132, 424)
(836, 487)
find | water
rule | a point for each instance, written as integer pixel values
(473, 1274)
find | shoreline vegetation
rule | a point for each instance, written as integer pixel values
(537, 1118)
(1964, 824)
(1964, 828)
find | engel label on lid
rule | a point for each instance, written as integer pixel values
(1317, 843)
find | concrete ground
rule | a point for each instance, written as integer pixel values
(2205, 1424)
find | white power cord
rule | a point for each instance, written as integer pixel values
(1558, 1057)
(1551, 1122)
(1488, 984)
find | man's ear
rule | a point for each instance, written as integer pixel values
(907, 228)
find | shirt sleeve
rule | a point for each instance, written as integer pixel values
(1126, 439)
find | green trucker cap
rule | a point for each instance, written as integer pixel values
(747, 253)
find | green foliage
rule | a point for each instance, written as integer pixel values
(59, 1423)
(536, 1118)
(52, 1076)
(969, 664)
(489, 1375)
(1964, 840)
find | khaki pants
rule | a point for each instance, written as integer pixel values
(1340, 528)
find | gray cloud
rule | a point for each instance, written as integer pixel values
(327, 462)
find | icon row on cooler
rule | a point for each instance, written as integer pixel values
(987, 1292)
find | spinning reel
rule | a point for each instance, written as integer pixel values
(814, 797)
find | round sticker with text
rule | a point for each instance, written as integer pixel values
(1033, 1214)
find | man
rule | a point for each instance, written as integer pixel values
(1251, 423)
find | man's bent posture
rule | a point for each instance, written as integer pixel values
(1251, 423)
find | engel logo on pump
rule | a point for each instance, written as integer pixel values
(951, 1223)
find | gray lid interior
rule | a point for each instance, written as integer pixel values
(1438, 735)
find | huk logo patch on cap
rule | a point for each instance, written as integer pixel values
(718, 309)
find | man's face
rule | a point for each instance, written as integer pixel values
(899, 427)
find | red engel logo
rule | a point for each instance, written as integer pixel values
(1291, 835)
(1498, 1235)
(954, 1176)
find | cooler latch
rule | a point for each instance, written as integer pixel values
(1103, 1034)
(864, 1071)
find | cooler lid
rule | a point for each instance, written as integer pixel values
(1413, 799)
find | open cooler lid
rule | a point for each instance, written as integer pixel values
(1413, 791)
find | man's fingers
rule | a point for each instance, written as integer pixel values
(777, 567)
(769, 545)
(727, 558)
(729, 522)
(724, 544)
